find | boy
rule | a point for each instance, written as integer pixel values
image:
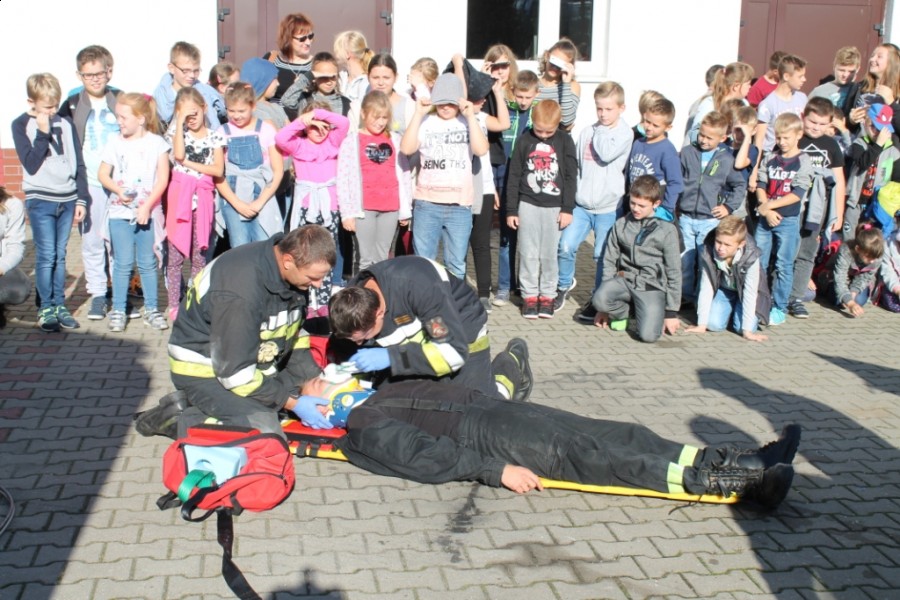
(447, 141)
(785, 98)
(766, 84)
(655, 155)
(826, 200)
(93, 114)
(732, 283)
(56, 193)
(602, 154)
(784, 177)
(842, 85)
(525, 90)
(713, 189)
(641, 266)
(184, 70)
(539, 203)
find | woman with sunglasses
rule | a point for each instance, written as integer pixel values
(293, 58)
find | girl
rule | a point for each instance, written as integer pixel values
(135, 170)
(374, 186)
(14, 283)
(323, 87)
(220, 76)
(881, 85)
(353, 56)
(294, 54)
(732, 82)
(313, 141)
(557, 71)
(421, 78)
(851, 278)
(382, 77)
(198, 157)
(253, 171)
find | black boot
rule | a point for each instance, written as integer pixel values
(781, 451)
(764, 487)
(518, 348)
(163, 419)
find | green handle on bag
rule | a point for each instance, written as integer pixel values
(195, 479)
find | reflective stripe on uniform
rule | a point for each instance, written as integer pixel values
(302, 342)
(251, 386)
(675, 478)
(190, 369)
(480, 344)
(402, 334)
(688, 454)
(242, 377)
(284, 331)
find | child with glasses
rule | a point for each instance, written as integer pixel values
(319, 85)
(184, 71)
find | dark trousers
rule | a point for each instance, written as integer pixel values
(207, 398)
(805, 261)
(615, 296)
(480, 242)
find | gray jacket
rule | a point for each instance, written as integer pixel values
(704, 189)
(602, 155)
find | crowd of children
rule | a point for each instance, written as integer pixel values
(771, 192)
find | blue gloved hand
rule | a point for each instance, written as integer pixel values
(368, 360)
(307, 408)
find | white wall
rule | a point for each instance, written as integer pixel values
(45, 36)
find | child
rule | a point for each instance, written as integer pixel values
(746, 154)
(602, 153)
(713, 189)
(14, 283)
(732, 282)
(524, 90)
(766, 84)
(786, 98)
(184, 71)
(655, 155)
(839, 130)
(784, 177)
(843, 86)
(641, 266)
(322, 87)
(253, 171)
(374, 185)
(557, 71)
(730, 83)
(422, 76)
(854, 267)
(447, 141)
(56, 193)
(539, 202)
(220, 75)
(647, 99)
(353, 55)
(198, 157)
(135, 169)
(890, 272)
(262, 76)
(313, 140)
(93, 113)
(824, 210)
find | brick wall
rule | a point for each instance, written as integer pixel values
(10, 171)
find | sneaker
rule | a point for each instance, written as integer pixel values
(545, 307)
(618, 324)
(47, 320)
(797, 310)
(99, 307)
(588, 312)
(776, 317)
(116, 320)
(132, 311)
(501, 298)
(65, 318)
(155, 320)
(562, 294)
(486, 304)
(530, 308)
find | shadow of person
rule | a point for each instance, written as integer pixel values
(875, 376)
(308, 589)
(838, 528)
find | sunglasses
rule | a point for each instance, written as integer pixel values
(326, 78)
(302, 38)
(500, 65)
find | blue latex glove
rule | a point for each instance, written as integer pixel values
(368, 360)
(308, 411)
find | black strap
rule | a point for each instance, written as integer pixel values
(230, 571)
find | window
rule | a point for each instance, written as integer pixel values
(510, 22)
(576, 23)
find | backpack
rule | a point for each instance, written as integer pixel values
(261, 476)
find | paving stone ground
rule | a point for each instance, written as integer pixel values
(84, 483)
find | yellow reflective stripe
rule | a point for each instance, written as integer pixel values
(688, 454)
(285, 331)
(302, 342)
(480, 344)
(504, 385)
(675, 478)
(179, 367)
(252, 386)
(436, 360)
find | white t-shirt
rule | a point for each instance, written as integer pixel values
(134, 168)
(101, 126)
(198, 150)
(445, 161)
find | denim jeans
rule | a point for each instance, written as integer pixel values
(506, 258)
(130, 243)
(240, 232)
(572, 237)
(450, 224)
(51, 224)
(726, 306)
(693, 232)
(786, 238)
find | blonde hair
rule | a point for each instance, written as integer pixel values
(788, 122)
(734, 74)
(142, 106)
(847, 56)
(648, 99)
(376, 101)
(354, 42)
(609, 89)
(190, 51)
(42, 86)
(891, 75)
(526, 81)
(716, 120)
(662, 107)
(495, 52)
(220, 73)
(732, 225)
(428, 67)
(190, 94)
(4, 196)
(565, 46)
(239, 91)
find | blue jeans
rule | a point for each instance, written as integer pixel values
(506, 258)
(694, 232)
(240, 232)
(130, 243)
(447, 223)
(572, 236)
(51, 224)
(726, 306)
(786, 236)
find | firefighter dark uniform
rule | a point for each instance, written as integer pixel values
(237, 348)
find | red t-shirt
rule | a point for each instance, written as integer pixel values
(377, 160)
(759, 91)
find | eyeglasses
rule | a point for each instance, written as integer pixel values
(94, 76)
(500, 65)
(188, 72)
(302, 38)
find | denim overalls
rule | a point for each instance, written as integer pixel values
(246, 174)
